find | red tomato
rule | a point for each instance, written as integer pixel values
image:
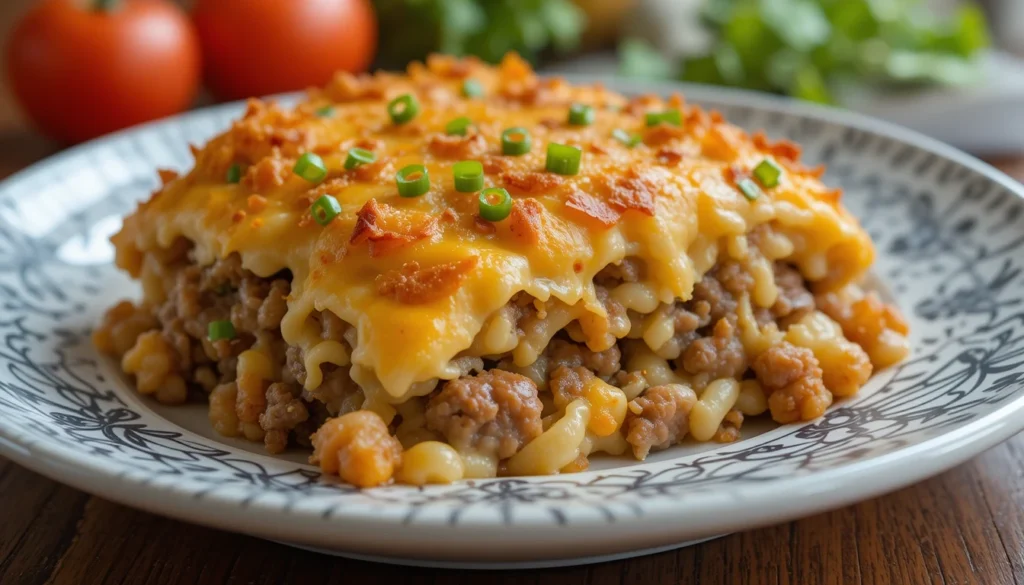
(258, 47)
(80, 69)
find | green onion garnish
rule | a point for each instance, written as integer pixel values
(218, 330)
(403, 108)
(325, 209)
(516, 141)
(413, 181)
(495, 204)
(630, 140)
(234, 174)
(672, 117)
(768, 173)
(325, 112)
(458, 126)
(563, 159)
(472, 88)
(357, 157)
(581, 115)
(310, 167)
(749, 189)
(469, 176)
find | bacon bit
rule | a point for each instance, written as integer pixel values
(515, 68)
(382, 240)
(460, 147)
(483, 226)
(639, 105)
(445, 66)
(345, 87)
(783, 149)
(256, 203)
(717, 117)
(524, 220)
(721, 142)
(268, 173)
(531, 181)
(413, 285)
(371, 144)
(663, 133)
(669, 156)
(597, 148)
(832, 196)
(697, 118)
(375, 171)
(676, 101)
(449, 216)
(635, 191)
(551, 123)
(593, 208)
(735, 173)
(494, 165)
(577, 267)
(237, 216)
(166, 175)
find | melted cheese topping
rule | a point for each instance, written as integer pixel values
(419, 277)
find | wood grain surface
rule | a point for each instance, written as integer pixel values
(963, 527)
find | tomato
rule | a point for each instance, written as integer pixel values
(259, 47)
(82, 68)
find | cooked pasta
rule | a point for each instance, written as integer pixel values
(351, 294)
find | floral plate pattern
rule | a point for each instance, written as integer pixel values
(950, 237)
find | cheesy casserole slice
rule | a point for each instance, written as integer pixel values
(470, 271)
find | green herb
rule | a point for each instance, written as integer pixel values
(627, 139)
(412, 29)
(563, 159)
(324, 112)
(325, 209)
(749, 189)
(218, 330)
(495, 204)
(413, 181)
(310, 167)
(458, 126)
(672, 117)
(358, 157)
(469, 176)
(515, 141)
(234, 174)
(472, 88)
(768, 172)
(403, 108)
(581, 115)
(816, 49)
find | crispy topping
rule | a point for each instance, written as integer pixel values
(634, 191)
(386, 230)
(413, 285)
(531, 181)
(524, 220)
(593, 208)
(458, 147)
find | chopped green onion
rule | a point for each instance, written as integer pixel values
(325, 112)
(325, 209)
(458, 126)
(310, 167)
(472, 88)
(516, 141)
(413, 181)
(672, 117)
(749, 189)
(768, 173)
(357, 157)
(630, 140)
(403, 108)
(581, 115)
(495, 204)
(218, 330)
(563, 159)
(234, 174)
(469, 176)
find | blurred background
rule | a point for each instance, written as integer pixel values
(75, 69)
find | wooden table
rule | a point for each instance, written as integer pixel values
(965, 526)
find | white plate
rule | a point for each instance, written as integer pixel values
(950, 236)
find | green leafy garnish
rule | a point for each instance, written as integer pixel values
(812, 48)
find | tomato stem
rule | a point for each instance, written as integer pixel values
(105, 5)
